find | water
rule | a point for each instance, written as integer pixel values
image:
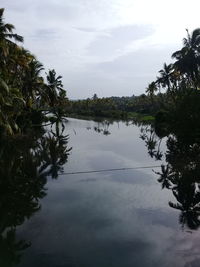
(118, 218)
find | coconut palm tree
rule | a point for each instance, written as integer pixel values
(151, 89)
(188, 58)
(7, 38)
(54, 86)
(24, 96)
(165, 76)
(6, 30)
(33, 82)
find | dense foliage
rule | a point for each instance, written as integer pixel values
(26, 97)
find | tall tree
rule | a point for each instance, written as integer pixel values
(165, 76)
(6, 30)
(188, 58)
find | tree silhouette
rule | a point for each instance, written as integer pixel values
(25, 166)
(181, 173)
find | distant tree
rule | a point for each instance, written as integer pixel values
(95, 97)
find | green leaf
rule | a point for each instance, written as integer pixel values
(4, 86)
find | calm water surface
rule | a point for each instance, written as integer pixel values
(119, 218)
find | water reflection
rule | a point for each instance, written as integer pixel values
(25, 164)
(181, 173)
(102, 127)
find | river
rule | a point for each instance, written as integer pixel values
(119, 218)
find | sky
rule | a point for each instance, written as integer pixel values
(107, 47)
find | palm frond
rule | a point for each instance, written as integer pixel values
(9, 27)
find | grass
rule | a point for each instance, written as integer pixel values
(140, 117)
(130, 116)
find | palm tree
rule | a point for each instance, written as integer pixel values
(188, 58)
(165, 76)
(24, 97)
(6, 38)
(57, 98)
(6, 30)
(54, 85)
(151, 89)
(33, 81)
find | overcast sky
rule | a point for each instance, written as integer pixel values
(108, 47)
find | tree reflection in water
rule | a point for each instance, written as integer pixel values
(102, 127)
(181, 173)
(25, 165)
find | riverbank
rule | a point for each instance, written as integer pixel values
(128, 117)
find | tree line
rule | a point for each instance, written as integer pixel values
(115, 107)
